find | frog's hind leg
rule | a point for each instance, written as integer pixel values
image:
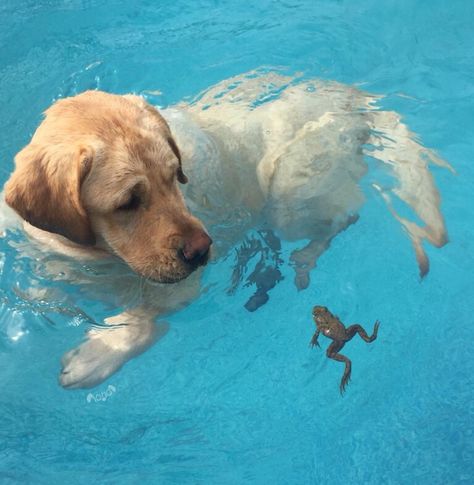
(332, 353)
(353, 329)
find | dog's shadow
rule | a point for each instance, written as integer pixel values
(264, 247)
(258, 260)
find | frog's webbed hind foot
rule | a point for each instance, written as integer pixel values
(346, 377)
(376, 331)
(332, 353)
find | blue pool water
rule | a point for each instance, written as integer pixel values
(228, 396)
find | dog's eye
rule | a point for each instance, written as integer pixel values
(132, 204)
(182, 179)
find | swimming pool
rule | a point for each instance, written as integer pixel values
(230, 396)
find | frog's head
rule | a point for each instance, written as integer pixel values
(320, 311)
(322, 319)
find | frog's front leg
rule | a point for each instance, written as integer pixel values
(314, 341)
(353, 329)
(332, 353)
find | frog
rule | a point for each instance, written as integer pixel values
(331, 326)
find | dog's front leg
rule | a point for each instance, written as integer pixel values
(305, 259)
(105, 350)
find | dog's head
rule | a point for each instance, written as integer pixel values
(103, 170)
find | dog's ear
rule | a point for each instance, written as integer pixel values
(182, 179)
(159, 123)
(45, 189)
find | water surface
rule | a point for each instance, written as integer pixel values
(231, 396)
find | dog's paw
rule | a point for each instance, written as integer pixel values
(90, 363)
(302, 270)
(105, 351)
(302, 280)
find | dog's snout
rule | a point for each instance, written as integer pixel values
(196, 248)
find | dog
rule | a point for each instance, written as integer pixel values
(111, 180)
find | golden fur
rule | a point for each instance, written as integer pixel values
(100, 176)
(91, 156)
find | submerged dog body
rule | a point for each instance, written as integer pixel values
(100, 177)
(293, 153)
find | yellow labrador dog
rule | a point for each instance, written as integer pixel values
(102, 174)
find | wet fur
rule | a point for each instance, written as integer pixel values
(291, 165)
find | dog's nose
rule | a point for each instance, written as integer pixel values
(196, 248)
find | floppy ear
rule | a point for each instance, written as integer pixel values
(182, 179)
(161, 124)
(45, 189)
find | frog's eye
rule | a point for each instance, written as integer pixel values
(327, 331)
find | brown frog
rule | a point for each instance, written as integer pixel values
(330, 326)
